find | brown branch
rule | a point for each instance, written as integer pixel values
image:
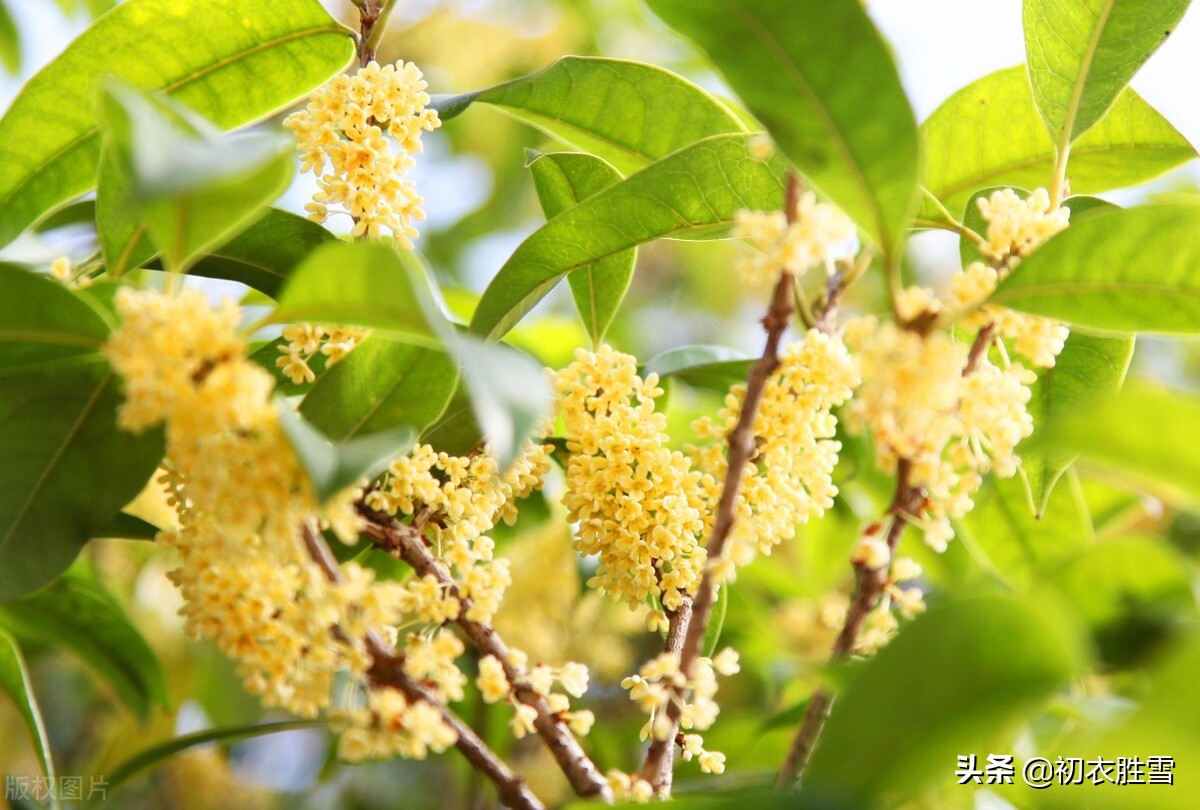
(387, 669)
(657, 767)
(979, 348)
(581, 772)
(742, 447)
(369, 12)
(871, 583)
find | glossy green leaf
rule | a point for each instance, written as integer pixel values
(231, 62)
(79, 615)
(1146, 435)
(1133, 592)
(627, 113)
(381, 384)
(810, 70)
(266, 356)
(456, 431)
(698, 189)
(42, 322)
(714, 367)
(900, 723)
(192, 187)
(989, 134)
(331, 466)
(15, 682)
(160, 753)
(1124, 270)
(1088, 367)
(10, 41)
(1082, 53)
(124, 526)
(508, 392)
(365, 284)
(563, 179)
(264, 254)
(67, 469)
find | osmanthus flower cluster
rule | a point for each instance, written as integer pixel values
(306, 340)
(940, 405)
(810, 239)
(249, 581)
(366, 128)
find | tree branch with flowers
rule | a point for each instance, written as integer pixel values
(418, 516)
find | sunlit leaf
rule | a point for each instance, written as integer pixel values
(810, 70)
(990, 134)
(698, 189)
(1082, 54)
(231, 62)
(627, 113)
(563, 179)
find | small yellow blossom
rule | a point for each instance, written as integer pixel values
(813, 239)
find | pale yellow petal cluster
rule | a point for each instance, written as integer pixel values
(813, 239)
(1015, 226)
(639, 505)
(789, 477)
(358, 135)
(918, 405)
(306, 340)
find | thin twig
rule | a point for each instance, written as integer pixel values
(387, 669)
(741, 449)
(658, 756)
(871, 583)
(369, 12)
(581, 772)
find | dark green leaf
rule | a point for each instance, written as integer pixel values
(124, 526)
(365, 284)
(989, 134)
(381, 384)
(333, 467)
(809, 69)
(698, 189)
(1123, 270)
(192, 187)
(231, 63)
(66, 470)
(79, 615)
(264, 255)
(14, 680)
(1082, 54)
(1088, 367)
(1132, 592)
(903, 719)
(628, 113)
(563, 179)
(714, 367)
(43, 322)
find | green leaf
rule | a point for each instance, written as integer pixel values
(902, 719)
(66, 470)
(124, 526)
(364, 284)
(1082, 54)
(627, 113)
(14, 680)
(10, 41)
(697, 189)
(264, 255)
(1134, 594)
(1124, 270)
(508, 392)
(75, 213)
(332, 467)
(713, 367)
(193, 187)
(822, 80)
(563, 179)
(156, 754)
(1087, 367)
(1146, 435)
(381, 384)
(989, 134)
(230, 62)
(456, 431)
(43, 322)
(265, 357)
(79, 615)
(716, 623)
(124, 243)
